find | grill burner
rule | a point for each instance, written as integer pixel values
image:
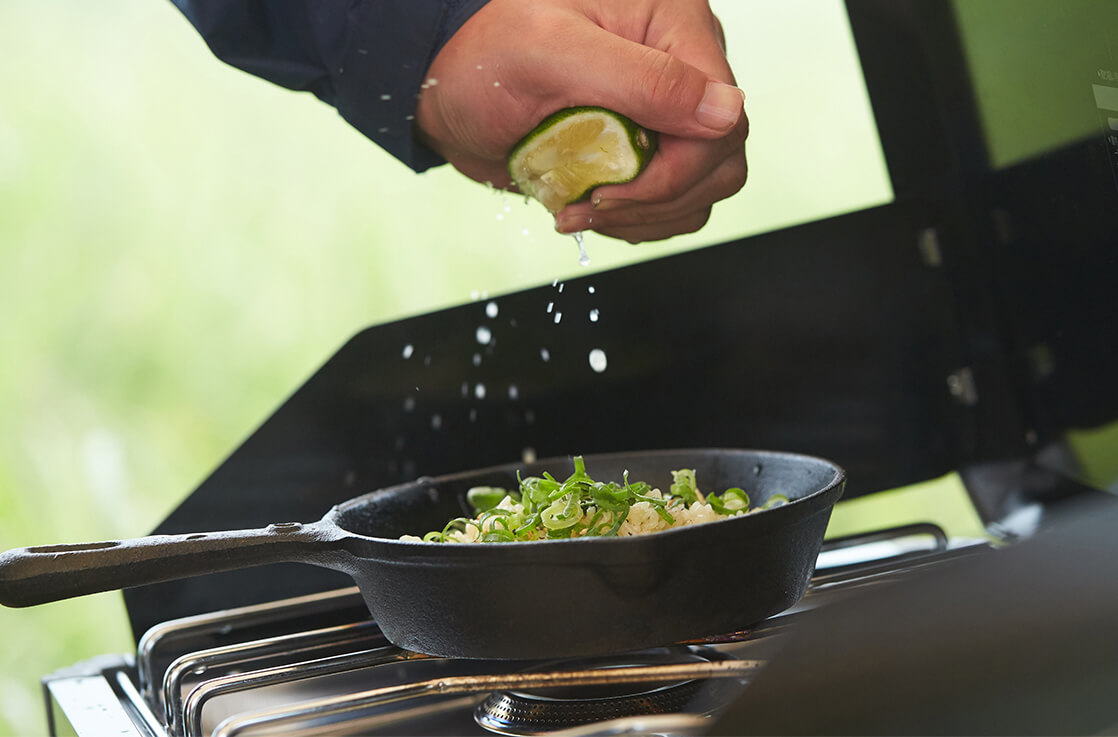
(547, 710)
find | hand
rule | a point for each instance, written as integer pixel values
(659, 62)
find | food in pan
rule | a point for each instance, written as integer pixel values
(544, 508)
(577, 149)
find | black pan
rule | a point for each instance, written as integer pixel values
(539, 599)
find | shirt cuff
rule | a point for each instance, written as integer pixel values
(387, 50)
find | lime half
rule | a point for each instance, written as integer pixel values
(577, 149)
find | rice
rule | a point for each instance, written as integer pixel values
(643, 518)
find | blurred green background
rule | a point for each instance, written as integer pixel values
(183, 244)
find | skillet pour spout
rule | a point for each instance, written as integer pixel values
(520, 600)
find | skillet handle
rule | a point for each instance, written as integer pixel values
(45, 573)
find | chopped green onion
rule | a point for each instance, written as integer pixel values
(730, 501)
(484, 498)
(543, 507)
(776, 500)
(684, 486)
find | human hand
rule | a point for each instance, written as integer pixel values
(660, 62)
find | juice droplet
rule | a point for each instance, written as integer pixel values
(477, 359)
(583, 258)
(514, 392)
(483, 335)
(479, 391)
(408, 350)
(528, 455)
(436, 422)
(491, 309)
(598, 360)
(594, 315)
(558, 317)
(545, 354)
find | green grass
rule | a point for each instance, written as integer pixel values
(182, 244)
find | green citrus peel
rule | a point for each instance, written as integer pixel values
(577, 149)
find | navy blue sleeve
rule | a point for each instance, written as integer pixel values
(367, 58)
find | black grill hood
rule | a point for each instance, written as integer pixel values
(967, 326)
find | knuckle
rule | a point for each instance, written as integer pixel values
(663, 80)
(673, 188)
(731, 177)
(695, 222)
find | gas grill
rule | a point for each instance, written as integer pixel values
(317, 664)
(970, 326)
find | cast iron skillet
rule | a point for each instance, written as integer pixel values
(540, 599)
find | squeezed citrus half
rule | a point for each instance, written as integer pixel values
(577, 149)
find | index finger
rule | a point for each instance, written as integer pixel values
(679, 164)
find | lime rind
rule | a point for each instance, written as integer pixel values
(576, 150)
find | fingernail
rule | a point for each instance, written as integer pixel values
(572, 223)
(602, 204)
(721, 107)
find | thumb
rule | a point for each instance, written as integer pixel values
(656, 89)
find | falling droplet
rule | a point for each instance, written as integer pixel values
(545, 354)
(590, 289)
(528, 455)
(491, 309)
(483, 335)
(558, 317)
(479, 391)
(598, 360)
(465, 388)
(409, 404)
(386, 98)
(477, 359)
(436, 422)
(426, 360)
(560, 287)
(514, 393)
(583, 257)
(473, 415)
(550, 307)
(408, 350)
